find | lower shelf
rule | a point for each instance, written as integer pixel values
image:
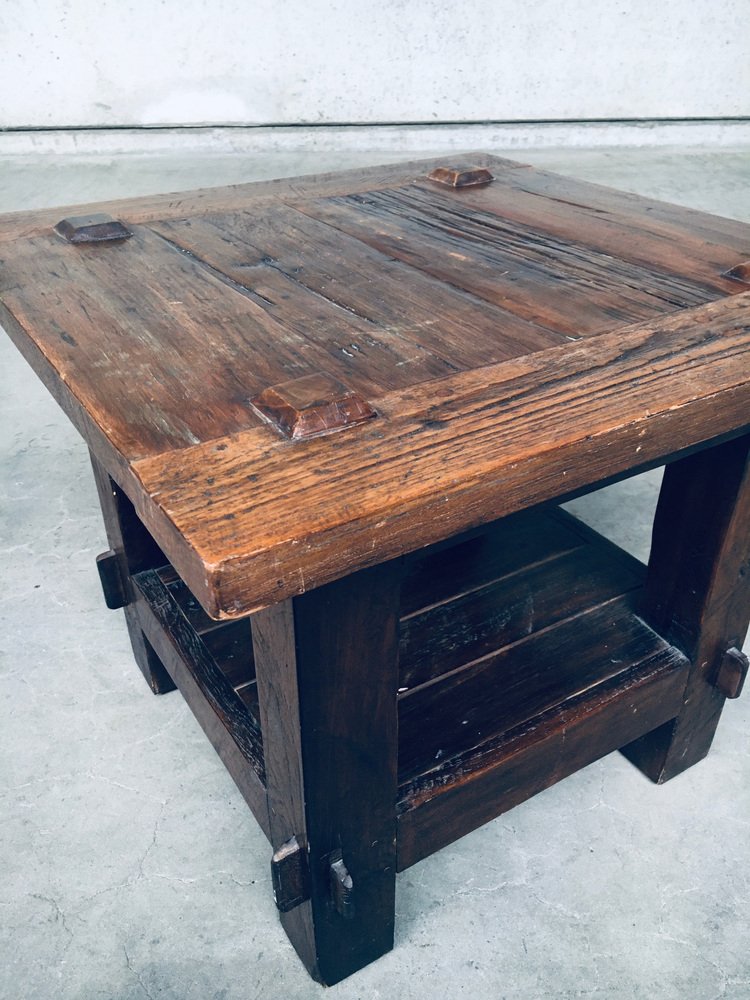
(522, 660)
(624, 681)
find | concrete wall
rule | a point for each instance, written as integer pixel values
(148, 62)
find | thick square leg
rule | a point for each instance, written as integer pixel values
(132, 550)
(698, 593)
(327, 672)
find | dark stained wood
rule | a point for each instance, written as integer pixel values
(664, 249)
(740, 273)
(191, 336)
(290, 874)
(670, 223)
(450, 801)
(331, 759)
(698, 592)
(343, 895)
(97, 228)
(510, 344)
(312, 405)
(517, 681)
(474, 624)
(108, 565)
(125, 351)
(449, 569)
(178, 204)
(134, 550)
(224, 717)
(461, 177)
(445, 457)
(732, 673)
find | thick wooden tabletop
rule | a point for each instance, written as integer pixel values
(293, 380)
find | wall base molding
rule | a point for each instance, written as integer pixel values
(714, 133)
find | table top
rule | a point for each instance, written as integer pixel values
(296, 379)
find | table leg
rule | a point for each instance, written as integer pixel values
(327, 673)
(132, 550)
(698, 593)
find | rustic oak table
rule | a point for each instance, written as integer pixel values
(331, 421)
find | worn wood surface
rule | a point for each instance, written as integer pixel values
(474, 321)
(263, 520)
(474, 624)
(326, 664)
(233, 731)
(698, 592)
(472, 787)
(134, 550)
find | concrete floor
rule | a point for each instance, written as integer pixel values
(130, 866)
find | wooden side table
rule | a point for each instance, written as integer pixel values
(331, 421)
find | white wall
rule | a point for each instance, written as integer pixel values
(147, 62)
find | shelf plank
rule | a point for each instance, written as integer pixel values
(455, 632)
(449, 569)
(456, 777)
(222, 713)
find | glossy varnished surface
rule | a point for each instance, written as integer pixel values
(496, 331)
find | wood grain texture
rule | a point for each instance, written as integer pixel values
(485, 782)
(178, 204)
(698, 592)
(264, 519)
(454, 314)
(138, 354)
(675, 246)
(445, 571)
(134, 550)
(232, 730)
(312, 405)
(473, 624)
(327, 674)
(268, 253)
(559, 284)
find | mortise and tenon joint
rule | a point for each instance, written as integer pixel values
(98, 228)
(461, 177)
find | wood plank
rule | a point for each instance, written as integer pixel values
(698, 593)
(665, 244)
(445, 457)
(369, 355)
(135, 351)
(561, 285)
(634, 211)
(446, 571)
(179, 204)
(483, 783)
(135, 550)
(259, 250)
(231, 647)
(453, 633)
(233, 732)
(468, 708)
(327, 672)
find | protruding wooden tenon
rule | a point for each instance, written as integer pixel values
(97, 228)
(312, 405)
(342, 887)
(461, 177)
(741, 272)
(290, 875)
(730, 678)
(108, 566)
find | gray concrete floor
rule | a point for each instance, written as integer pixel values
(130, 866)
